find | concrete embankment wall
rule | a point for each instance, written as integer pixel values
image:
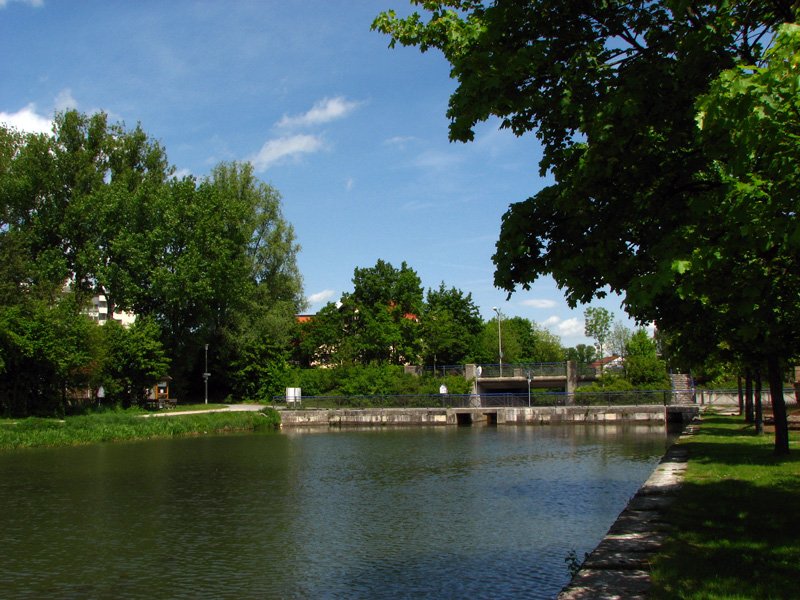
(499, 416)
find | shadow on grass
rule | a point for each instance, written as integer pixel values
(732, 539)
(736, 519)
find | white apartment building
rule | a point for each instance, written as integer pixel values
(99, 312)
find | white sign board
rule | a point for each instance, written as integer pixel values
(293, 396)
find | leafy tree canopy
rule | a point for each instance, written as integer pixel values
(96, 208)
(690, 224)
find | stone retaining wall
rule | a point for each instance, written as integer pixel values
(499, 416)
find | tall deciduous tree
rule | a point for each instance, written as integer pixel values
(95, 206)
(377, 322)
(523, 342)
(451, 323)
(645, 203)
(581, 353)
(597, 325)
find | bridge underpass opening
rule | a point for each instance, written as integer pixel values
(466, 419)
(463, 419)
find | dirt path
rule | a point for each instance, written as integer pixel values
(229, 408)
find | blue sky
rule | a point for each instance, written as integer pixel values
(352, 134)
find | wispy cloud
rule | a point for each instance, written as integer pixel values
(4, 3)
(28, 120)
(320, 297)
(400, 141)
(539, 303)
(438, 160)
(324, 111)
(285, 147)
(294, 146)
(65, 101)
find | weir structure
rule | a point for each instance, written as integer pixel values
(500, 394)
(536, 415)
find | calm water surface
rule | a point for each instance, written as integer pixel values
(434, 513)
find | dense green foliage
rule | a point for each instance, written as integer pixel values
(670, 130)
(94, 209)
(132, 360)
(523, 342)
(735, 519)
(450, 324)
(582, 354)
(373, 380)
(377, 322)
(387, 319)
(643, 368)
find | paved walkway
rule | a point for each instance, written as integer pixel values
(619, 568)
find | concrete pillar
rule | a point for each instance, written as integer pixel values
(572, 381)
(471, 374)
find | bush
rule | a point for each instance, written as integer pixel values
(373, 380)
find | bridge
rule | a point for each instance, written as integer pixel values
(517, 378)
(520, 378)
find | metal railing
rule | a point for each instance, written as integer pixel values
(499, 400)
(379, 401)
(523, 370)
(446, 370)
(557, 369)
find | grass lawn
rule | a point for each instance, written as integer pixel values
(737, 518)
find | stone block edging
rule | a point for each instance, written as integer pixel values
(619, 568)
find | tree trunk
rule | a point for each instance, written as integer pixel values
(748, 398)
(741, 395)
(778, 406)
(759, 420)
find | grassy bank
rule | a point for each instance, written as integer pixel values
(126, 425)
(737, 519)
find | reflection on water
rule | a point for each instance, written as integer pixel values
(440, 512)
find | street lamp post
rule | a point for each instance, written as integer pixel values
(206, 374)
(499, 338)
(529, 389)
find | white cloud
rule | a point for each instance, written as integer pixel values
(551, 322)
(327, 109)
(285, 147)
(320, 297)
(65, 101)
(568, 328)
(571, 327)
(539, 303)
(351, 183)
(27, 120)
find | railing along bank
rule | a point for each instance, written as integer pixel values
(501, 400)
(528, 370)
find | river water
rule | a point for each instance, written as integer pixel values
(426, 512)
